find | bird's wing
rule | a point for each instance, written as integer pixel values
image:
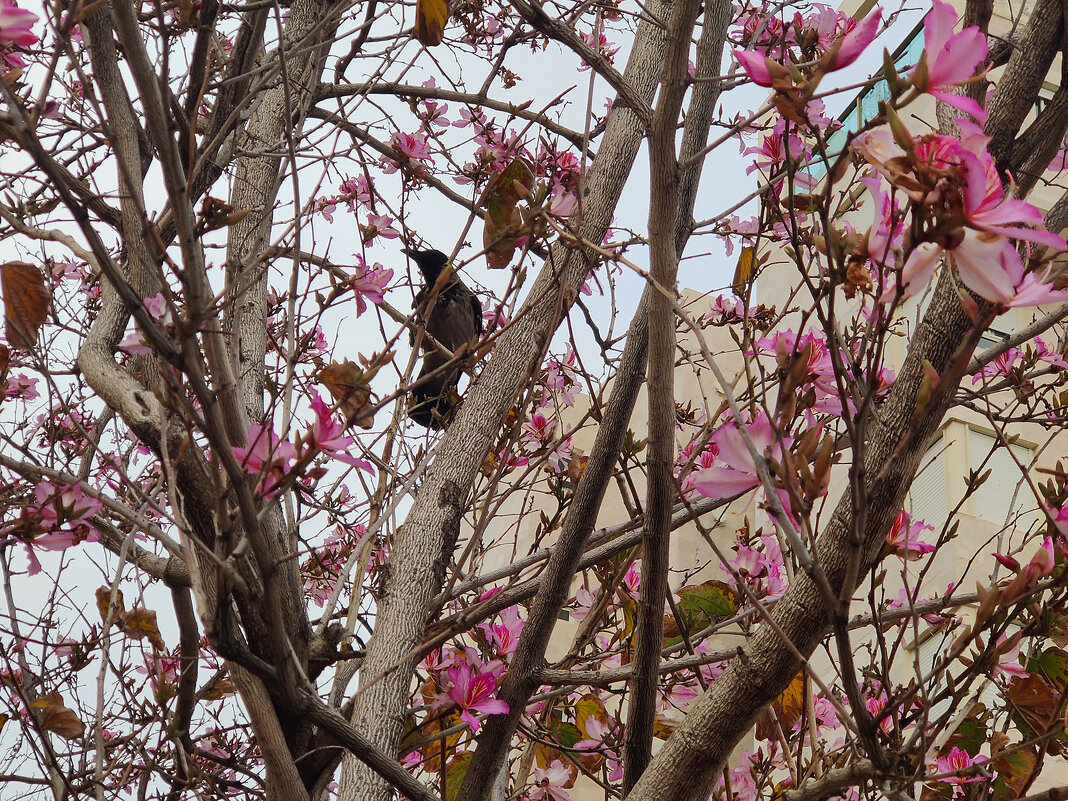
(476, 305)
(419, 305)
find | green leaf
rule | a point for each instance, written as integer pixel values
(455, 771)
(701, 605)
(714, 599)
(971, 735)
(1054, 663)
(1012, 771)
(564, 734)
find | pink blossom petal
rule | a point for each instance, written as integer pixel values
(722, 482)
(988, 264)
(755, 65)
(857, 40)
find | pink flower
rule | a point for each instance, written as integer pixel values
(601, 44)
(632, 579)
(66, 506)
(725, 309)
(504, 634)
(601, 737)
(904, 538)
(736, 472)
(472, 692)
(59, 518)
(440, 659)
(761, 565)
(1049, 356)
(876, 705)
(743, 783)
(413, 152)
(1036, 290)
(561, 378)
(775, 149)
(918, 270)
(378, 225)
(841, 37)
(1001, 366)
(135, 343)
(855, 39)
(562, 201)
(1009, 658)
(887, 234)
(369, 283)
(433, 113)
(955, 761)
(551, 781)
(760, 68)
(471, 117)
(16, 24)
(677, 696)
(583, 603)
(560, 457)
(327, 435)
(20, 385)
(1060, 519)
(157, 307)
(958, 177)
(356, 190)
(269, 456)
(950, 58)
(537, 433)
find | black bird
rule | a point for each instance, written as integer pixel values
(453, 317)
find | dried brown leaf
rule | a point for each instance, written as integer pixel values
(25, 302)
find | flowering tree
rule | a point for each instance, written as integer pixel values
(232, 564)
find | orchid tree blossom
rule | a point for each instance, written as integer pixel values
(950, 767)
(969, 216)
(551, 782)
(949, 59)
(16, 25)
(268, 456)
(841, 39)
(472, 691)
(735, 471)
(327, 436)
(903, 539)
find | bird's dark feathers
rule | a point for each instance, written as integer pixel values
(453, 317)
(430, 263)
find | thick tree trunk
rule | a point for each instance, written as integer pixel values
(687, 767)
(424, 544)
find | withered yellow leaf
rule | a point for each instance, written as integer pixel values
(744, 270)
(349, 386)
(103, 601)
(430, 19)
(140, 623)
(787, 708)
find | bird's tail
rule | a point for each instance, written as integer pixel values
(430, 403)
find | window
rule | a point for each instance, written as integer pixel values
(927, 497)
(1004, 496)
(990, 337)
(866, 106)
